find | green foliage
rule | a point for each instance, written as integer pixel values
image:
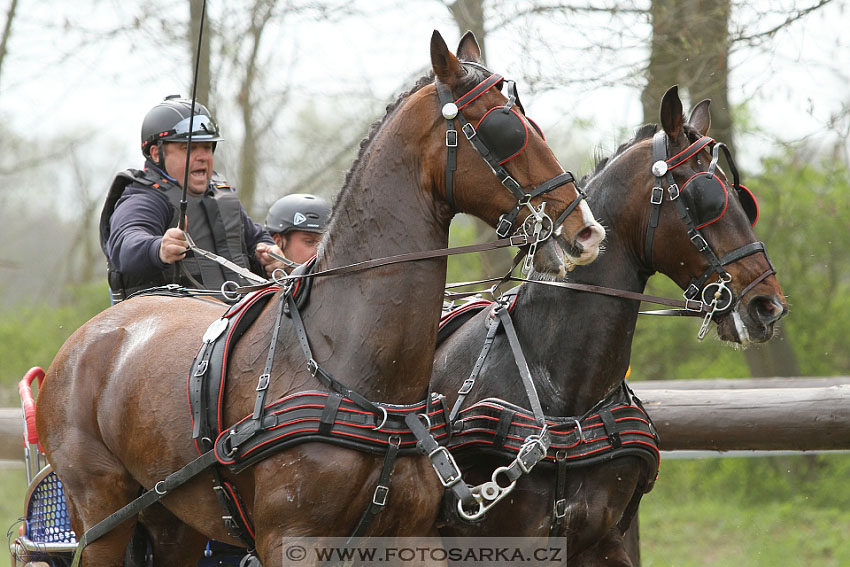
(806, 207)
(31, 334)
(13, 489)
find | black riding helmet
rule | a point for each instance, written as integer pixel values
(168, 121)
(298, 211)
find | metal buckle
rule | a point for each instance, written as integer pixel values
(504, 227)
(657, 195)
(202, 368)
(469, 131)
(263, 383)
(699, 242)
(673, 190)
(453, 476)
(312, 366)
(467, 386)
(560, 508)
(519, 240)
(451, 138)
(511, 185)
(379, 498)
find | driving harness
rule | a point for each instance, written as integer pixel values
(617, 426)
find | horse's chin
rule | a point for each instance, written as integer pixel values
(550, 262)
(740, 328)
(576, 255)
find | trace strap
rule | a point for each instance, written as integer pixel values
(152, 496)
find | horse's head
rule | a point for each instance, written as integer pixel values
(699, 226)
(506, 173)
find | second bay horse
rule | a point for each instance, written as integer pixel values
(578, 344)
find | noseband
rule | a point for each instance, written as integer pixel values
(493, 150)
(717, 295)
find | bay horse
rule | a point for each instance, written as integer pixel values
(577, 344)
(113, 417)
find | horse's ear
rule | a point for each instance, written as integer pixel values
(700, 118)
(468, 48)
(446, 66)
(672, 119)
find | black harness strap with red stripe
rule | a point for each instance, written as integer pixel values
(615, 427)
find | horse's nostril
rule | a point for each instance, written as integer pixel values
(584, 234)
(768, 309)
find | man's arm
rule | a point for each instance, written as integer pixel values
(137, 226)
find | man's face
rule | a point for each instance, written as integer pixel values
(200, 164)
(299, 246)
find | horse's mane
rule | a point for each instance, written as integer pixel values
(644, 132)
(376, 125)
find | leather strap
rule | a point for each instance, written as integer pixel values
(559, 505)
(152, 496)
(441, 460)
(379, 497)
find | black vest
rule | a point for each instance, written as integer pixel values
(224, 214)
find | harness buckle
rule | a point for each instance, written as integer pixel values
(467, 386)
(673, 190)
(511, 185)
(699, 242)
(560, 508)
(263, 383)
(469, 131)
(202, 368)
(451, 138)
(519, 240)
(657, 195)
(504, 227)
(449, 474)
(379, 498)
(312, 366)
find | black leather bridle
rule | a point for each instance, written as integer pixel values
(452, 110)
(718, 295)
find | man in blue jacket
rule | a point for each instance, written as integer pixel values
(138, 224)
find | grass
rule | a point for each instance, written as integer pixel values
(721, 528)
(13, 488)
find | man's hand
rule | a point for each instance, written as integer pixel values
(267, 262)
(173, 246)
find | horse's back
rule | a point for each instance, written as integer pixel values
(116, 363)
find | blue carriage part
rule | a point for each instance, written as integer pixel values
(47, 519)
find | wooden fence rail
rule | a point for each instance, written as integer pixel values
(775, 414)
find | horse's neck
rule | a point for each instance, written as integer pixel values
(582, 340)
(375, 329)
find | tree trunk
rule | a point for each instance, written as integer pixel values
(690, 46)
